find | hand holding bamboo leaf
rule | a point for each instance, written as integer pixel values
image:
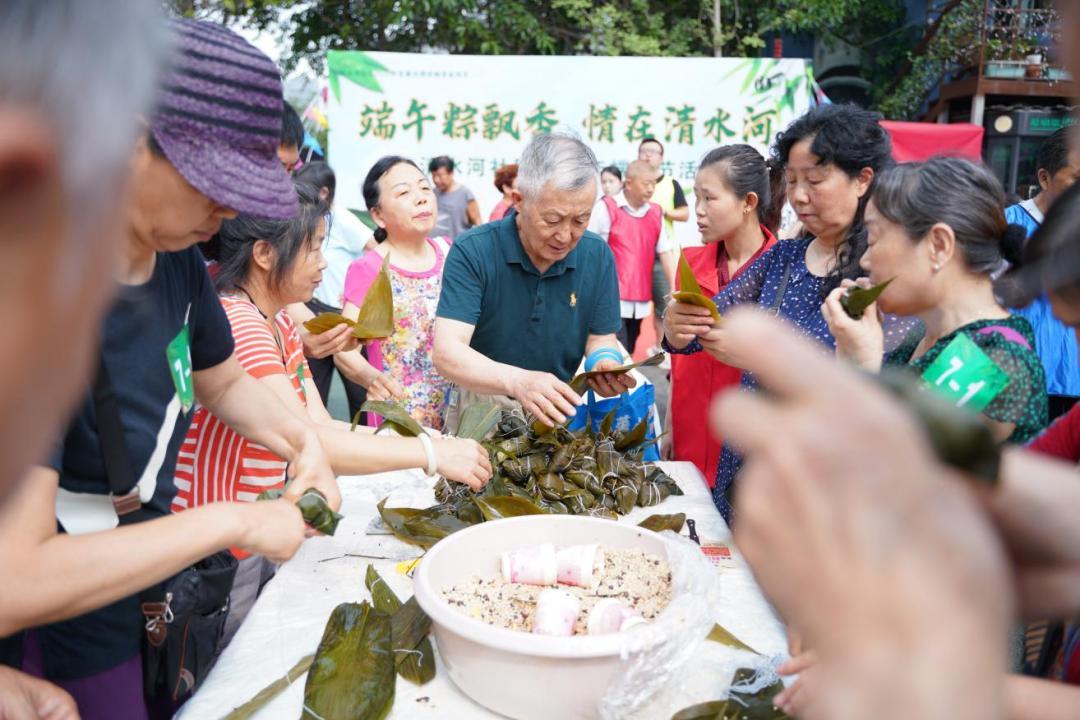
(683, 322)
(859, 340)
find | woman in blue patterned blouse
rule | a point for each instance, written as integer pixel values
(831, 156)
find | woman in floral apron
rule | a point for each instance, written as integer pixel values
(403, 205)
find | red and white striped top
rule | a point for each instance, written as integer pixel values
(217, 464)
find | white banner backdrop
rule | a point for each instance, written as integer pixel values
(481, 110)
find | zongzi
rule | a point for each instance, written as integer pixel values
(857, 299)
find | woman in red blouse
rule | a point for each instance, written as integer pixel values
(733, 197)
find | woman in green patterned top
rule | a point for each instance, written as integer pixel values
(938, 230)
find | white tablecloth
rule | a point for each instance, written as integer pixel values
(288, 619)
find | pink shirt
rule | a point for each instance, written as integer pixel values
(406, 354)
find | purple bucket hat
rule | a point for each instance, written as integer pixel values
(218, 120)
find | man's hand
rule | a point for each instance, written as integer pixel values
(309, 468)
(335, 340)
(271, 528)
(23, 697)
(546, 397)
(382, 386)
(463, 461)
(683, 322)
(608, 385)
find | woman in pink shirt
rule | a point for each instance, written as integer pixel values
(403, 205)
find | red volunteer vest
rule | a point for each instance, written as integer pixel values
(696, 378)
(633, 240)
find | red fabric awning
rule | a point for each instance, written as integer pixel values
(913, 141)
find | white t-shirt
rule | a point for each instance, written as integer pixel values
(1033, 210)
(344, 243)
(600, 223)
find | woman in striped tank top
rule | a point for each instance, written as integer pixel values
(264, 265)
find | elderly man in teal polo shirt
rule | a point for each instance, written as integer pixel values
(526, 297)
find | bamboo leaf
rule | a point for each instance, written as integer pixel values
(635, 438)
(421, 527)
(580, 382)
(607, 422)
(689, 291)
(477, 420)
(356, 66)
(376, 318)
(414, 656)
(721, 635)
(409, 626)
(396, 415)
(715, 710)
(959, 438)
(857, 299)
(755, 66)
(352, 675)
(659, 523)
(382, 597)
(324, 322)
(497, 508)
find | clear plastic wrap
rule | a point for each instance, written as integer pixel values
(670, 659)
(652, 654)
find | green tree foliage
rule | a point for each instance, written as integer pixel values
(901, 60)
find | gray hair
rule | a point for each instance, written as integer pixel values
(559, 159)
(91, 68)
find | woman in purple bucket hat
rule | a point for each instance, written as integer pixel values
(209, 153)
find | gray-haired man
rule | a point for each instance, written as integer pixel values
(526, 297)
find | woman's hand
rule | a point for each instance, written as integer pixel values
(381, 386)
(310, 468)
(271, 528)
(463, 461)
(23, 697)
(335, 340)
(715, 343)
(683, 322)
(861, 341)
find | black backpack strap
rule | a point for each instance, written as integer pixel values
(122, 483)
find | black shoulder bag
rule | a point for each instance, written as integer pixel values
(185, 615)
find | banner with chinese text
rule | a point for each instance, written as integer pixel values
(481, 110)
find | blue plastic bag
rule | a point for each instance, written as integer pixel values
(630, 409)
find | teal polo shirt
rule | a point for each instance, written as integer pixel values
(524, 318)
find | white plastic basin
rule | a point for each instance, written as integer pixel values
(516, 674)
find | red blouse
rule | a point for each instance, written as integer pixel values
(696, 378)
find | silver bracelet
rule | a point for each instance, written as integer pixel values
(429, 450)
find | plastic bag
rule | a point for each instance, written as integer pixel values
(630, 409)
(670, 660)
(653, 654)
